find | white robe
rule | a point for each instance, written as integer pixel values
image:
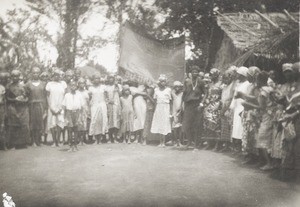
(238, 108)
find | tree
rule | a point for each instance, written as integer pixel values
(70, 15)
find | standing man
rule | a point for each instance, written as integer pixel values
(193, 99)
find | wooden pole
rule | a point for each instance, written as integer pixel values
(239, 26)
(267, 19)
(290, 16)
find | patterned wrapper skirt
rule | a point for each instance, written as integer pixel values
(225, 129)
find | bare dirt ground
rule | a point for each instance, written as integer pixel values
(135, 175)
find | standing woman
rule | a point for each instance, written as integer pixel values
(37, 106)
(127, 114)
(228, 85)
(55, 93)
(17, 111)
(212, 123)
(99, 120)
(140, 110)
(237, 107)
(113, 108)
(161, 123)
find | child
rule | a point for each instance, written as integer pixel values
(177, 113)
(83, 118)
(73, 106)
(2, 110)
(127, 114)
(161, 123)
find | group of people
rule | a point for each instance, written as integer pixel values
(242, 110)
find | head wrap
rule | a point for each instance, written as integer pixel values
(214, 71)
(177, 83)
(242, 71)
(162, 77)
(287, 66)
(253, 71)
(15, 72)
(296, 67)
(233, 68)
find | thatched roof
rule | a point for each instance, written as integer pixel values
(261, 35)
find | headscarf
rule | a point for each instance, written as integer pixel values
(287, 66)
(177, 83)
(253, 71)
(15, 72)
(215, 71)
(296, 67)
(162, 77)
(242, 71)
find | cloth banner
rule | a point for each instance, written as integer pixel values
(143, 58)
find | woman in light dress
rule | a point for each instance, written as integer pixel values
(99, 119)
(55, 93)
(161, 123)
(238, 108)
(113, 108)
(140, 109)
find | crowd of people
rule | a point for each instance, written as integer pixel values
(242, 110)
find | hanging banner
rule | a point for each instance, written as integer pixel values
(143, 58)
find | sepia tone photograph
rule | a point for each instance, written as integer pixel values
(159, 103)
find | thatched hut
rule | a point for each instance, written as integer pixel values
(264, 40)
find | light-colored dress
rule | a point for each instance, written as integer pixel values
(113, 109)
(161, 123)
(238, 108)
(56, 92)
(176, 107)
(127, 114)
(99, 120)
(140, 108)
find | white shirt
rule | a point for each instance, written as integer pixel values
(73, 101)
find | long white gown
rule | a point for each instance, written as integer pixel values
(238, 108)
(99, 119)
(140, 108)
(161, 123)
